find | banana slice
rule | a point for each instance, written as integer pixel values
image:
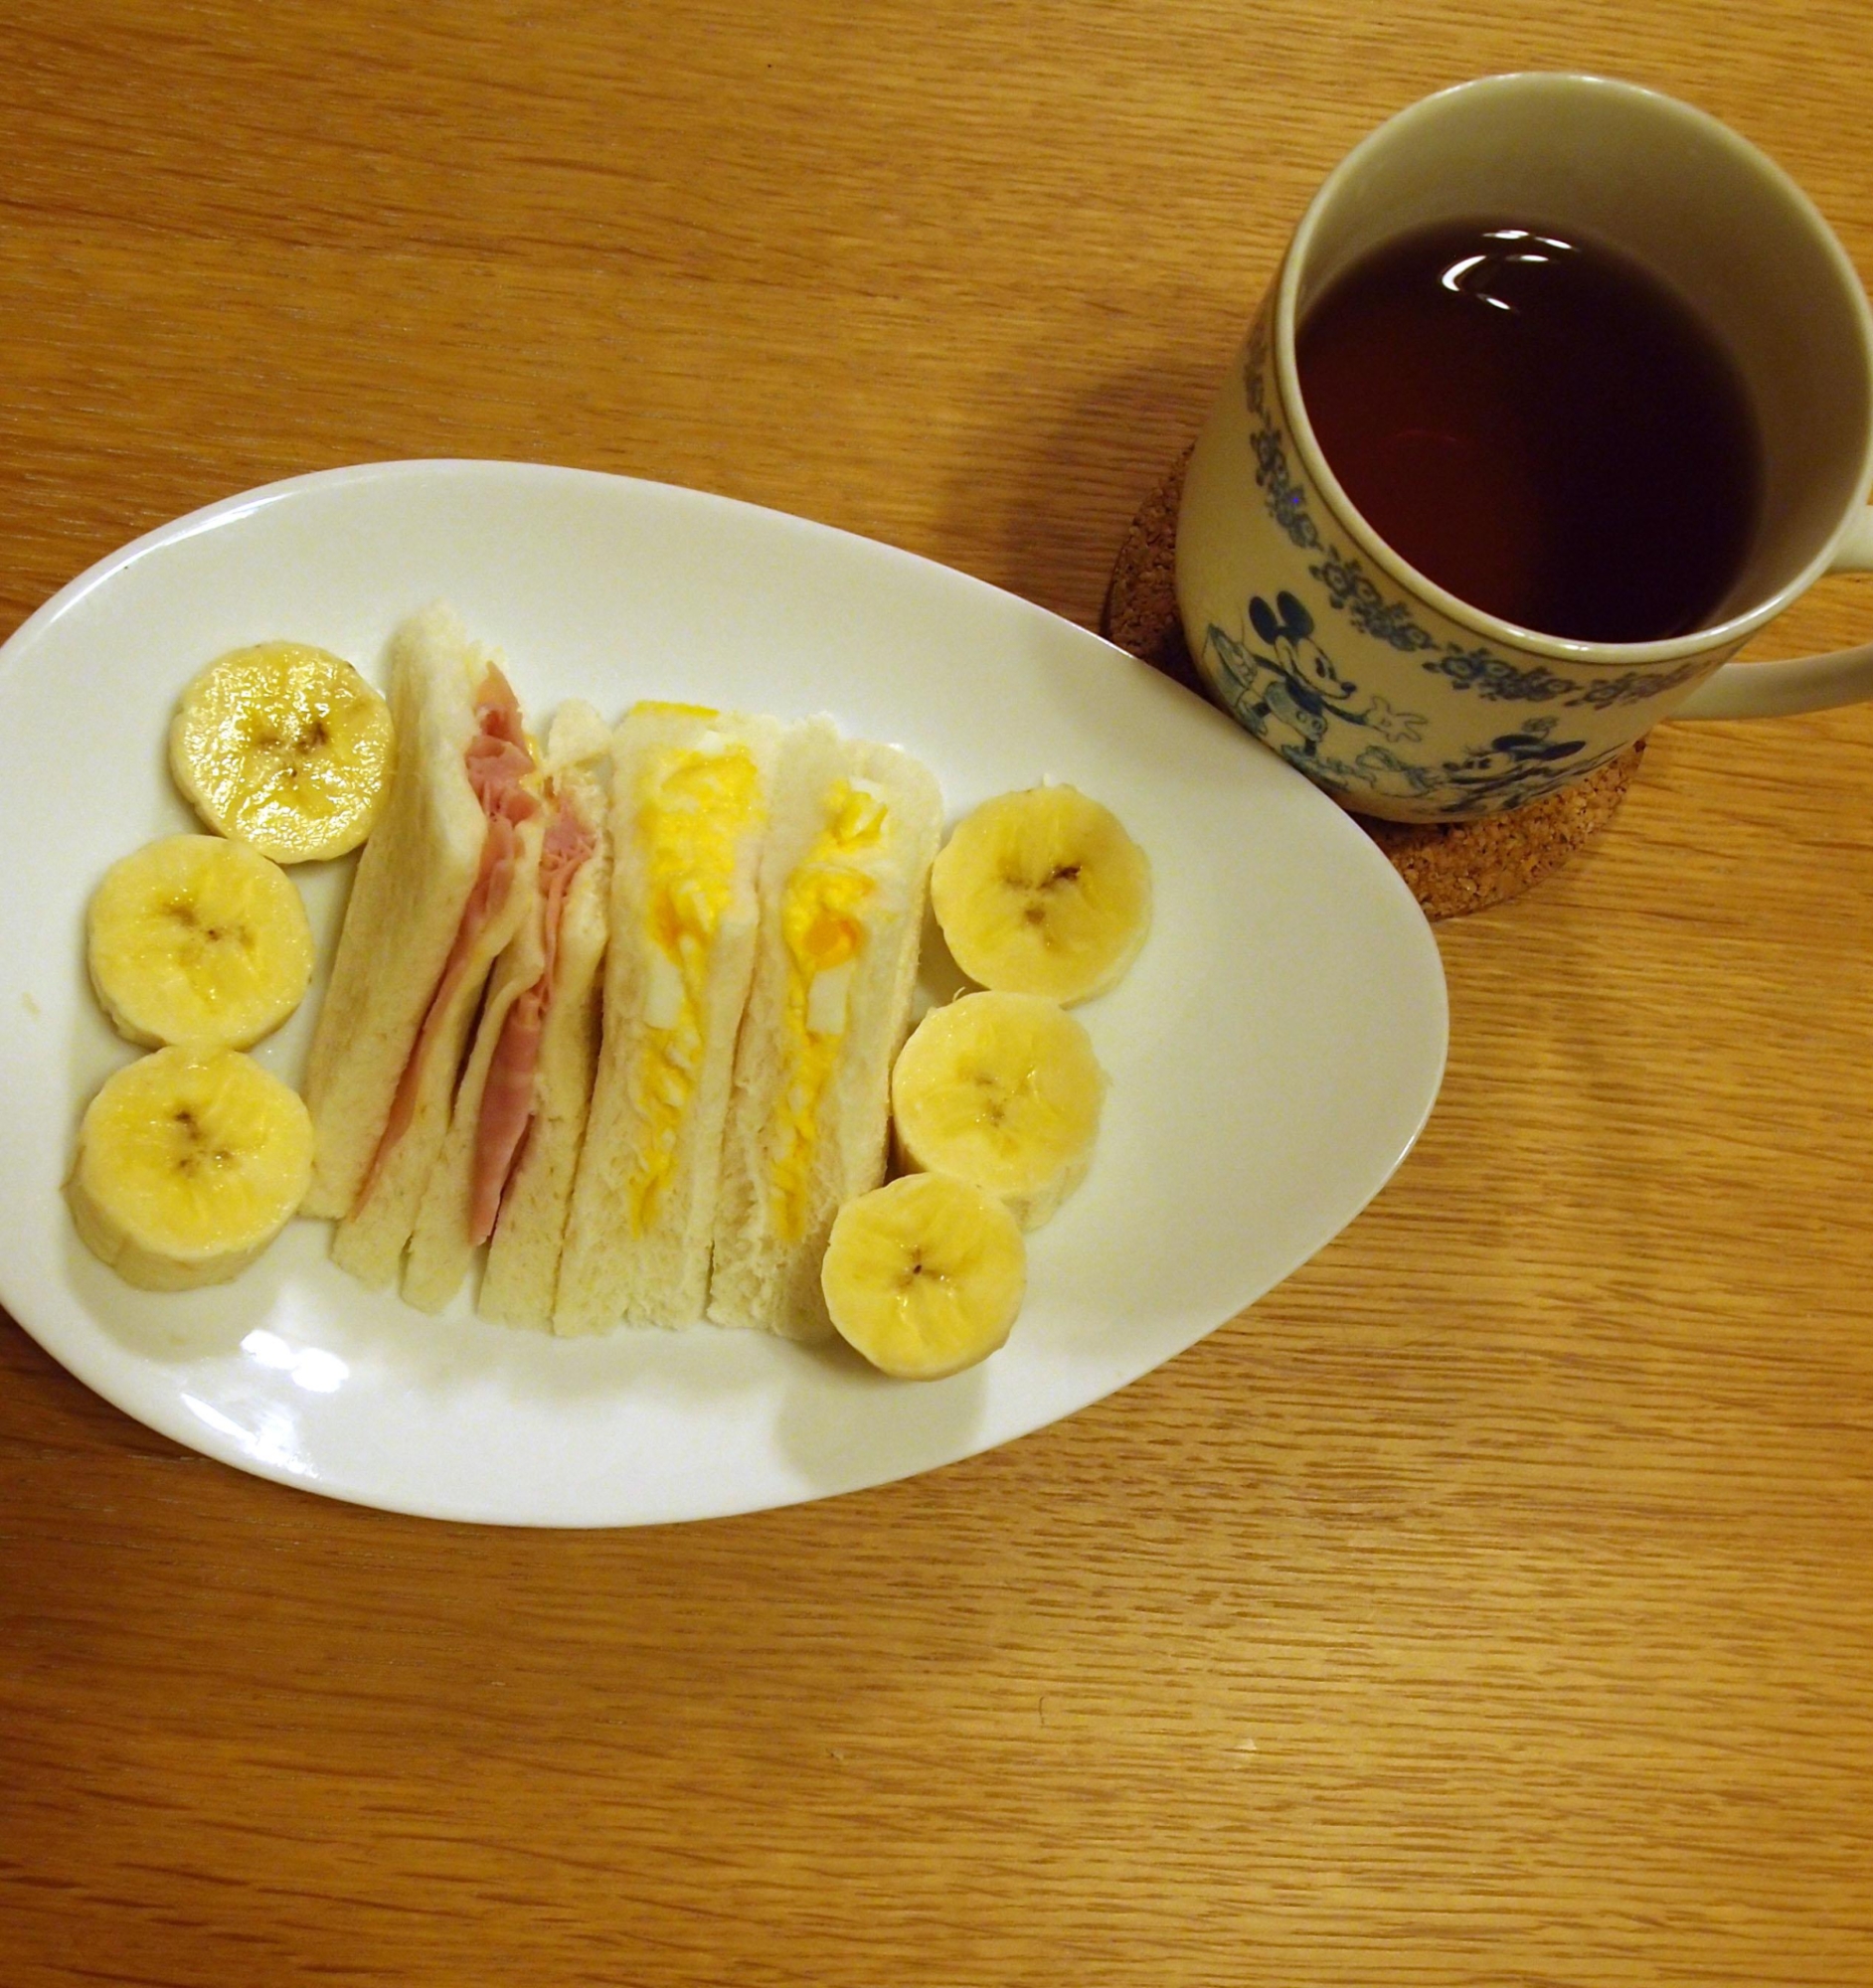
(284, 748)
(925, 1276)
(188, 1165)
(1043, 892)
(193, 939)
(1001, 1091)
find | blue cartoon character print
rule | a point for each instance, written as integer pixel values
(1288, 692)
(1513, 767)
(1508, 772)
(1295, 698)
(1284, 687)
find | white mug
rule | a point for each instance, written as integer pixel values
(1406, 701)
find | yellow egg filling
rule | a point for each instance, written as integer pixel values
(822, 922)
(693, 809)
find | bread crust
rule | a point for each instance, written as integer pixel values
(404, 910)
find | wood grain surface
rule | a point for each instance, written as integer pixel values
(1492, 1603)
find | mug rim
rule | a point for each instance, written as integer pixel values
(1735, 629)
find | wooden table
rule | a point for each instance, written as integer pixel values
(1492, 1603)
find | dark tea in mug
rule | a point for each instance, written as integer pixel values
(1540, 425)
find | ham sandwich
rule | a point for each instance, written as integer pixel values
(501, 1095)
(436, 890)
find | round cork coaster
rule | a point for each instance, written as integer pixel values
(1451, 868)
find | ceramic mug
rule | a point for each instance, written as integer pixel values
(1399, 698)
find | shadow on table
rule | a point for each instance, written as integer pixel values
(1082, 482)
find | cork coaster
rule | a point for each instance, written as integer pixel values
(1451, 868)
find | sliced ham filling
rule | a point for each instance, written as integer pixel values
(508, 1101)
(498, 761)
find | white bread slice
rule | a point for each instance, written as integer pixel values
(406, 903)
(370, 1239)
(521, 1279)
(778, 1199)
(442, 1248)
(439, 1249)
(632, 1254)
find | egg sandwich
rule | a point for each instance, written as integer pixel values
(766, 906)
(842, 883)
(692, 791)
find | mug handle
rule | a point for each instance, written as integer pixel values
(1804, 683)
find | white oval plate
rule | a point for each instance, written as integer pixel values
(1273, 1053)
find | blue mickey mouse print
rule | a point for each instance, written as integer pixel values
(1280, 684)
(1506, 771)
(1288, 692)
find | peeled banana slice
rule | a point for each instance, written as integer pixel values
(925, 1276)
(1042, 892)
(197, 941)
(188, 1165)
(1001, 1091)
(284, 748)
